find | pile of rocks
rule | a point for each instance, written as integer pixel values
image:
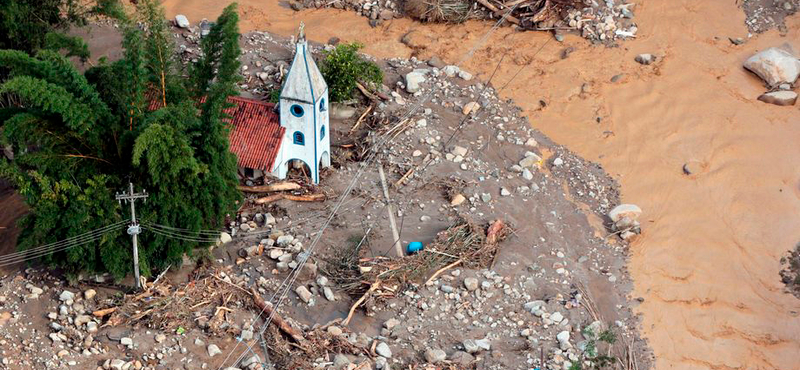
(624, 218)
(603, 21)
(376, 10)
(779, 68)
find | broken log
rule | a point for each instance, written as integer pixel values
(268, 311)
(494, 9)
(271, 188)
(296, 198)
(493, 233)
(104, 312)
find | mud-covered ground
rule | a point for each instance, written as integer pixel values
(531, 302)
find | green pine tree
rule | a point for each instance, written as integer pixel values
(79, 138)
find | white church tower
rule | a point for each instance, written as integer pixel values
(304, 114)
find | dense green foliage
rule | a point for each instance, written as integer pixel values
(26, 24)
(343, 67)
(80, 138)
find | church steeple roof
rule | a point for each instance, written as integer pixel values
(304, 82)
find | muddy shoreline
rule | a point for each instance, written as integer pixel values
(707, 265)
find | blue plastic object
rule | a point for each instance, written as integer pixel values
(414, 247)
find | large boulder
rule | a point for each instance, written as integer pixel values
(775, 66)
(779, 97)
(413, 81)
(182, 21)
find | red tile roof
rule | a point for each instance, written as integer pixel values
(256, 133)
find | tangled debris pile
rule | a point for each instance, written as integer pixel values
(596, 20)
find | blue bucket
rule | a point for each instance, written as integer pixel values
(414, 247)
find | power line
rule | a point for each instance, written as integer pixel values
(69, 243)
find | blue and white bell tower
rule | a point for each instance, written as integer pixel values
(304, 114)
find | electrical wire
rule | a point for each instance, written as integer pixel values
(47, 249)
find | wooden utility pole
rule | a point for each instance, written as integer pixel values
(134, 229)
(397, 247)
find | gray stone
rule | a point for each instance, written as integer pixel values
(391, 323)
(471, 283)
(383, 350)
(339, 111)
(466, 76)
(470, 346)
(303, 293)
(451, 71)
(125, 341)
(182, 21)
(563, 337)
(284, 240)
(462, 358)
(631, 211)
(340, 360)
(775, 66)
(435, 356)
(213, 350)
(783, 98)
(116, 364)
(436, 62)
(66, 296)
(484, 344)
(527, 174)
(413, 81)
(328, 293)
(558, 162)
(645, 59)
(247, 334)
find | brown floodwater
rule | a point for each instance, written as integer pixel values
(707, 263)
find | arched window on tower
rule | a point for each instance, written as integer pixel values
(322, 132)
(322, 106)
(298, 138)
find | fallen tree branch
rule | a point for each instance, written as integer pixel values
(496, 11)
(360, 119)
(104, 312)
(268, 311)
(296, 198)
(281, 186)
(441, 270)
(361, 300)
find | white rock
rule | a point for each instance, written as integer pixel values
(556, 317)
(645, 59)
(224, 238)
(89, 294)
(775, 66)
(631, 211)
(116, 364)
(527, 174)
(779, 98)
(531, 143)
(284, 240)
(328, 293)
(35, 290)
(125, 341)
(531, 161)
(451, 71)
(563, 337)
(213, 350)
(160, 338)
(459, 150)
(391, 323)
(435, 356)
(466, 76)
(66, 296)
(182, 21)
(484, 344)
(471, 283)
(413, 81)
(471, 107)
(558, 162)
(303, 293)
(383, 350)
(470, 346)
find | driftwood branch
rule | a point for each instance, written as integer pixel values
(277, 320)
(359, 302)
(494, 9)
(281, 186)
(296, 198)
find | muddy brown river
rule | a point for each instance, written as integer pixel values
(707, 263)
